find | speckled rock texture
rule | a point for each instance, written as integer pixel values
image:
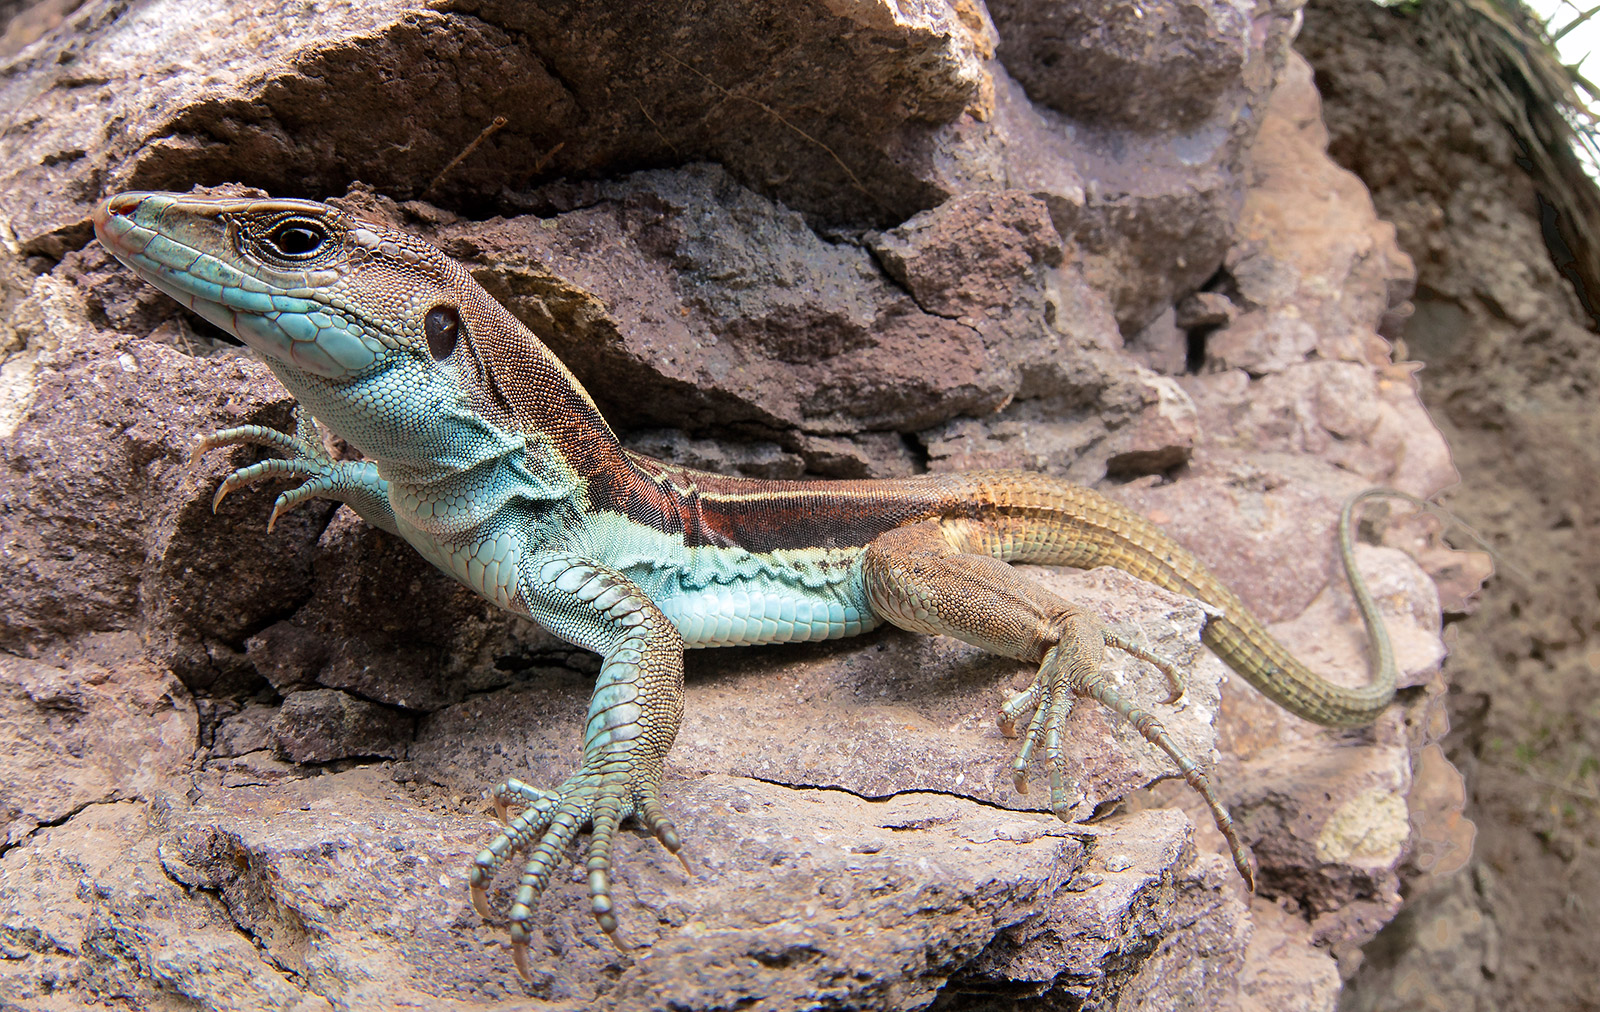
(245, 771)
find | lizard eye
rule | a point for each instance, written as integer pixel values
(442, 326)
(296, 239)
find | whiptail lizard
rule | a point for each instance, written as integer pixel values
(486, 454)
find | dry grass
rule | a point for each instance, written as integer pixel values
(1507, 57)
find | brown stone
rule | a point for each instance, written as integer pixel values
(83, 736)
(320, 725)
(787, 242)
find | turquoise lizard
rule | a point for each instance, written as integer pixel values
(485, 454)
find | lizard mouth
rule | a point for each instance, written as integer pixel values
(185, 247)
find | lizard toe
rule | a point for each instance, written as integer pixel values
(550, 821)
(1049, 697)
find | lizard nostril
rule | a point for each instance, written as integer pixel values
(442, 326)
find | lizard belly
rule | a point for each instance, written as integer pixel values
(716, 597)
(756, 611)
(725, 595)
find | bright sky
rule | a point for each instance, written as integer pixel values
(1579, 42)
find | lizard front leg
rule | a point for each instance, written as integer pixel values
(634, 715)
(355, 483)
(921, 578)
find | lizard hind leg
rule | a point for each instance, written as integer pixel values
(919, 578)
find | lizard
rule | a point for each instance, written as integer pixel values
(482, 450)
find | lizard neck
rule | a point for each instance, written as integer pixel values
(500, 423)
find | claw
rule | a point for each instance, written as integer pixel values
(356, 483)
(1022, 702)
(547, 825)
(1014, 707)
(480, 897)
(320, 485)
(519, 952)
(296, 446)
(262, 470)
(514, 791)
(305, 462)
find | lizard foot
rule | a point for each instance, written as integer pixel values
(548, 823)
(355, 482)
(1068, 670)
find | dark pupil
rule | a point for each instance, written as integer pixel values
(443, 326)
(296, 240)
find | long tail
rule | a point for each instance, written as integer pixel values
(1048, 521)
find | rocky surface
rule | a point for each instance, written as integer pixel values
(1511, 374)
(846, 240)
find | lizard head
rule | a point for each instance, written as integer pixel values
(307, 286)
(381, 335)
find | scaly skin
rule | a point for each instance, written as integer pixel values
(486, 455)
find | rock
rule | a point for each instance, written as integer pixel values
(89, 735)
(753, 460)
(1282, 968)
(1149, 198)
(738, 313)
(89, 907)
(249, 730)
(755, 270)
(1442, 836)
(107, 529)
(1161, 347)
(1330, 257)
(320, 725)
(1186, 917)
(1205, 309)
(1443, 950)
(903, 898)
(304, 113)
(1157, 439)
(390, 628)
(1507, 330)
(1104, 62)
(964, 255)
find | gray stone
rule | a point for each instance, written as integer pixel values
(1146, 69)
(321, 725)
